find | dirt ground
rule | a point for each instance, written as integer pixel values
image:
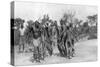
(85, 51)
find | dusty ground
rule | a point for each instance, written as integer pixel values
(85, 51)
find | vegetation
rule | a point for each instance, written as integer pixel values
(77, 29)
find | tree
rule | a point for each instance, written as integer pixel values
(30, 22)
(77, 22)
(67, 18)
(29, 32)
(92, 19)
(45, 19)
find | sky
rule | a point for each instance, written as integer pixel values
(34, 11)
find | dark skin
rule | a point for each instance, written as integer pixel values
(66, 40)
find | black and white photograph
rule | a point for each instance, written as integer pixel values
(50, 33)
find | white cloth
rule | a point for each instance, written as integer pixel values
(36, 42)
